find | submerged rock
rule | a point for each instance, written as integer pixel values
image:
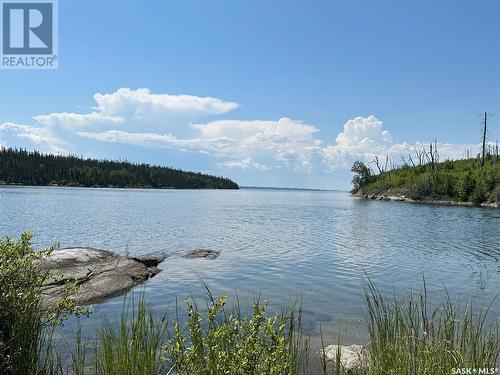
(100, 274)
(202, 253)
(353, 358)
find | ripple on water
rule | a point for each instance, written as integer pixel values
(289, 246)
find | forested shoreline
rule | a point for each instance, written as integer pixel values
(18, 166)
(467, 181)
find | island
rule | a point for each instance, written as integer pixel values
(22, 167)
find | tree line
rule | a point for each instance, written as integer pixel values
(19, 166)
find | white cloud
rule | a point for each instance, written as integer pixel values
(42, 137)
(143, 104)
(287, 141)
(139, 117)
(282, 130)
(363, 132)
(363, 138)
(76, 120)
(139, 109)
(242, 142)
(121, 111)
(247, 163)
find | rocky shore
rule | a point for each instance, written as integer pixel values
(391, 196)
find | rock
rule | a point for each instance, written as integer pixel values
(353, 358)
(100, 274)
(150, 261)
(202, 253)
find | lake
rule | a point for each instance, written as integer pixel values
(286, 245)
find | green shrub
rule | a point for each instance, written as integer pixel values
(24, 322)
(480, 192)
(362, 175)
(219, 342)
(494, 196)
(421, 187)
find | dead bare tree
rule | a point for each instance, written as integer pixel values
(425, 157)
(420, 156)
(376, 160)
(484, 137)
(411, 160)
(436, 153)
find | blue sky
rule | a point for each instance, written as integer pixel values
(268, 93)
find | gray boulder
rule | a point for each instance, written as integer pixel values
(353, 358)
(100, 274)
(202, 253)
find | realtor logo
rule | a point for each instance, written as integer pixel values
(29, 34)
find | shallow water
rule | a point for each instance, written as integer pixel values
(288, 246)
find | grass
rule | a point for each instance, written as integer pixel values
(411, 337)
(216, 341)
(133, 345)
(407, 336)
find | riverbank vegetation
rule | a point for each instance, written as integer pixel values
(452, 180)
(23, 167)
(407, 336)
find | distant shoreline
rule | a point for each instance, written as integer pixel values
(115, 187)
(175, 188)
(289, 188)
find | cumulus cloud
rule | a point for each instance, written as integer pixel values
(363, 138)
(363, 132)
(117, 112)
(42, 137)
(247, 163)
(288, 142)
(177, 122)
(139, 109)
(143, 104)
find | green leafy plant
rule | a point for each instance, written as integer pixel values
(24, 321)
(362, 175)
(221, 342)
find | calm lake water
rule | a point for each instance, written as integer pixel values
(288, 246)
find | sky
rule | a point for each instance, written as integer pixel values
(268, 93)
